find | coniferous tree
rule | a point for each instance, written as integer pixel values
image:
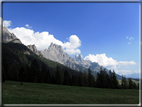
(80, 79)
(130, 83)
(53, 80)
(90, 78)
(34, 71)
(58, 75)
(42, 75)
(110, 79)
(85, 79)
(74, 81)
(115, 82)
(3, 75)
(5, 67)
(124, 82)
(48, 76)
(66, 80)
(21, 75)
(14, 73)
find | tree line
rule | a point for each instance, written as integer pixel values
(34, 74)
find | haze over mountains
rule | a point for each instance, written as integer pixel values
(56, 53)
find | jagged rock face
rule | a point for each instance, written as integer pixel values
(79, 60)
(34, 50)
(9, 37)
(56, 53)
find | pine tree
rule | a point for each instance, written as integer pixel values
(21, 75)
(114, 79)
(85, 79)
(48, 76)
(90, 78)
(80, 79)
(3, 75)
(130, 83)
(42, 77)
(74, 81)
(66, 80)
(34, 71)
(5, 67)
(58, 75)
(14, 73)
(124, 84)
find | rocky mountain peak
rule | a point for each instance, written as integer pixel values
(56, 53)
(78, 58)
(9, 37)
(34, 49)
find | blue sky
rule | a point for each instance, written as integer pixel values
(109, 32)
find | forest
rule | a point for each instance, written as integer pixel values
(34, 74)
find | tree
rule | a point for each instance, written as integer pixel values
(74, 81)
(14, 73)
(80, 79)
(66, 80)
(3, 75)
(21, 75)
(34, 71)
(124, 83)
(42, 77)
(90, 78)
(114, 80)
(58, 75)
(48, 76)
(85, 79)
(130, 83)
(5, 68)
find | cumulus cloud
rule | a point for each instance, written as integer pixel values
(72, 45)
(42, 40)
(7, 23)
(27, 25)
(130, 39)
(110, 63)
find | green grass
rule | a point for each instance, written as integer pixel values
(41, 93)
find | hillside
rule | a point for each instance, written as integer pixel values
(20, 55)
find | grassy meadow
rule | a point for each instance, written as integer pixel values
(41, 93)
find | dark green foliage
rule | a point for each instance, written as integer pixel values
(80, 79)
(21, 74)
(85, 79)
(3, 75)
(114, 80)
(58, 75)
(13, 73)
(34, 71)
(42, 74)
(74, 80)
(130, 83)
(66, 80)
(90, 78)
(124, 82)
(48, 76)
(5, 69)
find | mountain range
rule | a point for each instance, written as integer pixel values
(56, 53)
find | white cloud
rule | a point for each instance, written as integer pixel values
(123, 72)
(130, 39)
(7, 23)
(72, 45)
(27, 25)
(42, 40)
(110, 63)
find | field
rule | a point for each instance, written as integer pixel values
(41, 93)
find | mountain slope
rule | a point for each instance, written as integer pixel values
(20, 55)
(9, 37)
